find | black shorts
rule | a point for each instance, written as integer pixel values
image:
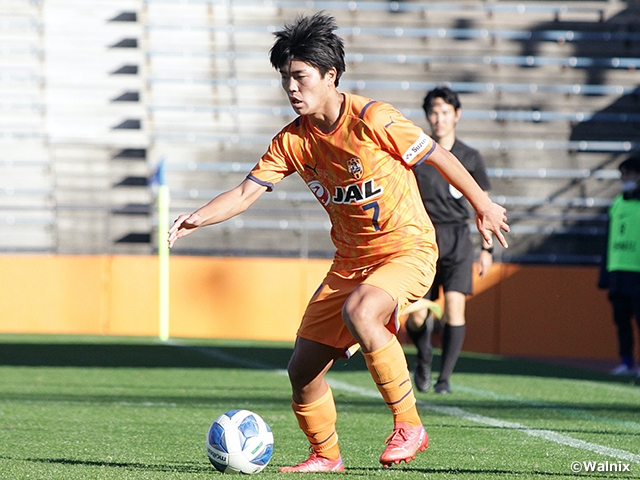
(455, 264)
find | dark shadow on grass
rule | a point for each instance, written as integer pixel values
(455, 472)
(139, 356)
(177, 468)
(216, 400)
(371, 472)
(263, 356)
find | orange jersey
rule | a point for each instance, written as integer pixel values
(361, 173)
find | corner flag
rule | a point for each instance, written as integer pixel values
(159, 179)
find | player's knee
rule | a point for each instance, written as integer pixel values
(298, 376)
(301, 380)
(358, 316)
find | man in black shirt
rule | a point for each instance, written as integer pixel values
(449, 212)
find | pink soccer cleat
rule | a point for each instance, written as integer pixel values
(316, 463)
(403, 444)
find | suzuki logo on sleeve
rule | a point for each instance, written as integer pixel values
(416, 148)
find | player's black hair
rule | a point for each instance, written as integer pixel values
(446, 94)
(631, 164)
(310, 40)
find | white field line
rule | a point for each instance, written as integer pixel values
(494, 422)
(444, 410)
(574, 412)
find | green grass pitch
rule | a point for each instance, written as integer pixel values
(90, 408)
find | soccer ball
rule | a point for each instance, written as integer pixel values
(239, 441)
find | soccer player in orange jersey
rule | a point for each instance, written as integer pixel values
(356, 155)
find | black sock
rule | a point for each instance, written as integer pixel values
(452, 340)
(422, 340)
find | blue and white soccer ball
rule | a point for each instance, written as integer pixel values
(239, 441)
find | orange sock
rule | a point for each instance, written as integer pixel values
(388, 367)
(318, 422)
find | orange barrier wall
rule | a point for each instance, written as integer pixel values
(517, 310)
(541, 311)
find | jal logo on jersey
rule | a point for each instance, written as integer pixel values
(356, 192)
(354, 166)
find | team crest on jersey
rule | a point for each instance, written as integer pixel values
(354, 165)
(319, 191)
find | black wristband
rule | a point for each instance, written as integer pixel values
(488, 249)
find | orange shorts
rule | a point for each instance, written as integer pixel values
(406, 278)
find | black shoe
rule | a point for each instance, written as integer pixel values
(442, 387)
(422, 377)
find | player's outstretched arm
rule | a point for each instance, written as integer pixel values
(221, 208)
(490, 217)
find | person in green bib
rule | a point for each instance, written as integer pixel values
(620, 269)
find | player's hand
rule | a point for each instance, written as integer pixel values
(183, 225)
(493, 219)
